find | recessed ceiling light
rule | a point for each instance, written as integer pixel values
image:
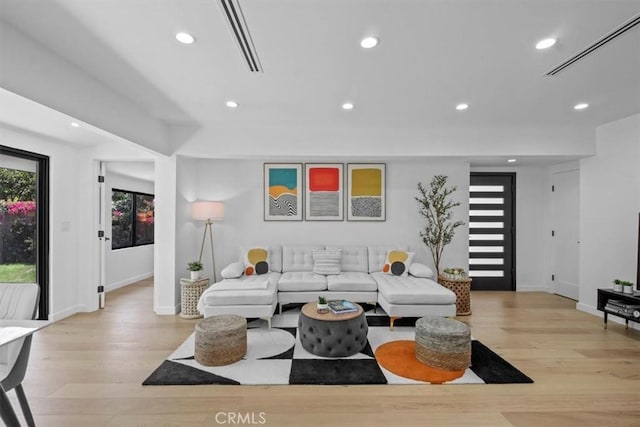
(232, 104)
(461, 107)
(369, 42)
(185, 38)
(75, 125)
(581, 106)
(545, 44)
(512, 160)
(347, 106)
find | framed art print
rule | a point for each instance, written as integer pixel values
(282, 191)
(366, 192)
(324, 194)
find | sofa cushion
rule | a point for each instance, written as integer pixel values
(351, 281)
(298, 258)
(378, 255)
(327, 262)
(354, 258)
(398, 263)
(232, 271)
(238, 292)
(420, 270)
(412, 290)
(256, 260)
(300, 281)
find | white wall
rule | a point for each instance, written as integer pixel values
(127, 265)
(64, 213)
(609, 207)
(239, 183)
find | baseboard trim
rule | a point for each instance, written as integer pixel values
(531, 288)
(113, 286)
(167, 310)
(54, 317)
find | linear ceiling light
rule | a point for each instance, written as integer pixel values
(596, 45)
(232, 11)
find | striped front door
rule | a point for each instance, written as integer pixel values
(492, 231)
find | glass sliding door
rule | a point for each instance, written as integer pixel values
(24, 221)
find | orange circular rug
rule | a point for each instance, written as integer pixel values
(399, 357)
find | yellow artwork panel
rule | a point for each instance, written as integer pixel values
(366, 182)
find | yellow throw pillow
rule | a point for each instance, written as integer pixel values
(256, 261)
(398, 263)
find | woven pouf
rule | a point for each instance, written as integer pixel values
(443, 343)
(221, 340)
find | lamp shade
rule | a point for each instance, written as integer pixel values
(207, 210)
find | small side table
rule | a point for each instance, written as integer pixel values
(462, 289)
(190, 295)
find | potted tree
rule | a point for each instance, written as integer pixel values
(437, 208)
(194, 267)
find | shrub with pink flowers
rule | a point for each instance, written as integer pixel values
(17, 231)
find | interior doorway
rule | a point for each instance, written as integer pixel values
(126, 206)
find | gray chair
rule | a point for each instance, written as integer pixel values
(17, 301)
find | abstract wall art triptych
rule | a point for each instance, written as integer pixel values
(324, 189)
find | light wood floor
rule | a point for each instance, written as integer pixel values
(86, 370)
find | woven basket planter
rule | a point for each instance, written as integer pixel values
(190, 295)
(462, 289)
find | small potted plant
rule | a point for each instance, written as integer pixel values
(322, 305)
(617, 285)
(455, 273)
(627, 287)
(194, 267)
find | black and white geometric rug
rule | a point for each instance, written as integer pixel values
(275, 356)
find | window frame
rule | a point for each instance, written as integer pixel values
(42, 223)
(134, 209)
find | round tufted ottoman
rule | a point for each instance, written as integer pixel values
(443, 343)
(221, 340)
(332, 335)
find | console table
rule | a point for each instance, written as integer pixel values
(604, 295)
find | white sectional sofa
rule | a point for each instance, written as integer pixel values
(291, 279)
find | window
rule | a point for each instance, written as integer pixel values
(132, 218)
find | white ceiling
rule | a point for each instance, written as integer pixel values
(432, 55)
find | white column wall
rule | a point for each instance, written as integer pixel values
(166, 291)
(609, 207)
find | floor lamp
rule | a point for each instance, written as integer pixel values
(209, 212)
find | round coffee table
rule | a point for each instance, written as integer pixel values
(332, 335)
